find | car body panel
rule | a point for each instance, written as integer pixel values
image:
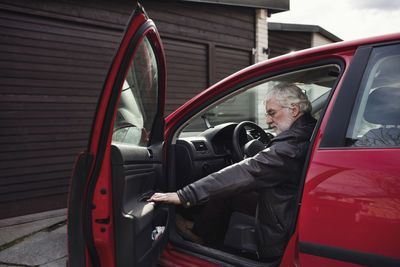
(172, 257)
(350, 210)
(352, 201)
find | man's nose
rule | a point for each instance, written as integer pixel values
(269, 120)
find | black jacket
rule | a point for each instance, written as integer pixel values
(275, 173)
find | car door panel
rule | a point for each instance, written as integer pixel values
(350, 207)
(135, 172)
(350, 202)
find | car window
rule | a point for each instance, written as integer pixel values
(246, 103)
(375, 118)
(138, 105)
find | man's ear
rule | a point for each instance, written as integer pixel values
(295, 110)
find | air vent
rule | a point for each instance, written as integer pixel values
(200, 145)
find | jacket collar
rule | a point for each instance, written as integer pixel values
(301, 128)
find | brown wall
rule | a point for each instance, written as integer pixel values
(283, 42)
(54, 57)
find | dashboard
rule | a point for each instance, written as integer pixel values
(203, 154)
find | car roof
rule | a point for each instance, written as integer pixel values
(332, 48)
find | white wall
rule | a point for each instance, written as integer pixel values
(317, 39)
(261, 42)
(261, 35)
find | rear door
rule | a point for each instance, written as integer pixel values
(350, 211)
(109, 221)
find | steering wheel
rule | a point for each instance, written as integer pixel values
(242, 147)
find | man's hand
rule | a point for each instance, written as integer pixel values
(171, 198)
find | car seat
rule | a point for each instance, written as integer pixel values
(383, 108)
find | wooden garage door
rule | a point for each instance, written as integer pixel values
(230, 60)
(52, 72)
(283, 42)
(194, 66)
(187, 71)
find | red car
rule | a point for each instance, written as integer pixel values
(349, 197)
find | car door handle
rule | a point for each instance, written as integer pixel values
(146, 195)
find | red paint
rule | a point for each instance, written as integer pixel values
(173, 258)
(351, 200)
(103, 100)
(310, 260)
(291, 256)
(103, 234)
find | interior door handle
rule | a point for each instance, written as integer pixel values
(145, 196)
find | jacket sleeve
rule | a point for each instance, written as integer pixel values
(268, 168)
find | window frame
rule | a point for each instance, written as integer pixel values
(242, 86)
(356, 118)
(256, 92)
(334, 136)
(145, 125)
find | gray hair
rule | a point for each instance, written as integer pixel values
(287, 94)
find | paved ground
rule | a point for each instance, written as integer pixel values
(41, 243)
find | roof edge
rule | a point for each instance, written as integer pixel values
(273, 6)
(277, 26)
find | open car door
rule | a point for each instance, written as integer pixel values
(109, 221)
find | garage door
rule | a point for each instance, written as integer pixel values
(51, 75)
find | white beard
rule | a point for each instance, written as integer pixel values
(285, 124)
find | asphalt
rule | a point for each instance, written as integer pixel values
(39, 243)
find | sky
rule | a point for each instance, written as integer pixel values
(347, 19)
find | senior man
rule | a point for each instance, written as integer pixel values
(270, 179)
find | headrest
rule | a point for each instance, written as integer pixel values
(383, 106)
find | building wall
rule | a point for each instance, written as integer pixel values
(317, 39)
(54, 58)
(261, 52)
(283, 42)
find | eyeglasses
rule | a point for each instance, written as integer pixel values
(271, 113)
